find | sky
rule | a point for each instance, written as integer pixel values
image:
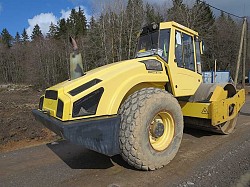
(16, 15)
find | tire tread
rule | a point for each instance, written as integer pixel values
(129, 111)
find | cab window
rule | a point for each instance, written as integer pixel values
(188, 52)
(164, 43)
(198, 55)
(184, 51)
(178, 49)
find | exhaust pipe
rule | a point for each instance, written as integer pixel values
(76, 67)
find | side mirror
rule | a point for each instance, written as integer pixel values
(202, 46)
(199, 67)
(200, 43)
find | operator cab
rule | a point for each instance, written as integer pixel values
(179, 49)
(154, 40)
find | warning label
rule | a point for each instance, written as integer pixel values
(204, 111)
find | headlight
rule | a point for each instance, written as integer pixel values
(152, 65)
(88, 104)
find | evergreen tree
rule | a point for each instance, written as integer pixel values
(17, 38)
(94, 47)
(151, 15)
(52, 31)
(6, 38)
(77, 23)
(201, 18)
(36, 33)
(226, 43)
(62, 31)
(177, 12)
(81, 22)
(25, 36)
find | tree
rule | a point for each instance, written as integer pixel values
(36, 33)
(135, 17)
(25, 36)
(226, 45)
(201, 18)
(6, 38)
(94, 52)
(81, 22)
(178, 12)
(112, 37)
(151, 15)
(62, 31)
(17, 38)
(77, 23)
(52, 30)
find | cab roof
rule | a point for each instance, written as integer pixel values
(170, 24)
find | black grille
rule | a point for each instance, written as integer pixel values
(41, 103)
(59, 110)
(88, 104)
(51, 94)
(84, 87)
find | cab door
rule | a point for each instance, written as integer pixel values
(185, 79)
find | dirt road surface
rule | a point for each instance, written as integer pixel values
(204, 159)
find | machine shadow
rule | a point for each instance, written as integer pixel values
(77, 157)
(121, 162)
(244, 113)
(197, 132)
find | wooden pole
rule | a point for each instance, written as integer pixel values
(215, 69)
(240, 52)
(244, 55)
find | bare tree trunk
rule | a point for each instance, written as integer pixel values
(130, 33)
(104, 41)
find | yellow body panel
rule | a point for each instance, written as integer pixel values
(218, 94)
(198, 110)
(50, 106)
(117, 80)
(220, 108)
(217, 109)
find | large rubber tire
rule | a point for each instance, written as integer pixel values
(137, 113)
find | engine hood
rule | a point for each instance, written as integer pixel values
(115, 80)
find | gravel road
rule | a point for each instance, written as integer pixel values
(204, 159)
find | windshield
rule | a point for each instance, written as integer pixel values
(147, 41)
(154, 43)
(147, 44)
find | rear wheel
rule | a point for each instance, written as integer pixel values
(204, 93)
(151, 128)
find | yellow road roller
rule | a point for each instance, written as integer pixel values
(138, 107)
